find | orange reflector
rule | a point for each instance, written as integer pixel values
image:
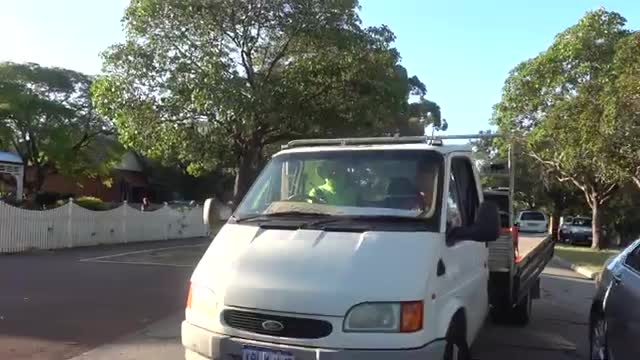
(189, 297)
(411, 316)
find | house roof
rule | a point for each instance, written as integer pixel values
(7, 157)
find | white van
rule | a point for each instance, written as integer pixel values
(348, 249)
(532, 221)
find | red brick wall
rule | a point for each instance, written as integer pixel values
(78, 186)
(81, 187)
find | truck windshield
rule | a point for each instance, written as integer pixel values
(367, 183)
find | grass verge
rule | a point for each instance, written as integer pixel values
(585, 256)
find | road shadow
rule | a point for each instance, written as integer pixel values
(558, 329)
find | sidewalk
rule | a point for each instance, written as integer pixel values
(586, 272)
(159, 341)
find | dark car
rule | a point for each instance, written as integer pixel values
(615, 312)
(578, 232)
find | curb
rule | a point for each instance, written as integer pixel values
(579, 269)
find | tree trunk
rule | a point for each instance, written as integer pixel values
(596, 222)
(40, 173)
(555, 220)
(245, 174)
(636, 180)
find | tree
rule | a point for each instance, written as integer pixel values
(416, 116)
(623, 217)
(215, 83)
(560, 103)
(623, 107)
(46, 116)
(535, 187)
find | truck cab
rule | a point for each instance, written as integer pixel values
(348, 249)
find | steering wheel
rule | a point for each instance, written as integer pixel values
(305, 198)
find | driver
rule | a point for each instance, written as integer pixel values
(336, 189)
(426, 174)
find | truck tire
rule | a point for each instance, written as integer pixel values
(456, 347)
(500, 314)
(521, 313)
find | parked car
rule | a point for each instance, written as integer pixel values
(532, 221)
(615, 312)
(297, 274)
(578, 232)
(563, 229)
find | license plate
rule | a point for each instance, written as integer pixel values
(259, 353)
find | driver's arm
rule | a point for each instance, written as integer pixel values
(316, 195)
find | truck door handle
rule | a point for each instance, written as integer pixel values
(441, 270)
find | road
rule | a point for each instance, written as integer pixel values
(128, 306)
(58, 304)
(558, 329)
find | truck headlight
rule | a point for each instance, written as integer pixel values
(202, 300)
(385, 317)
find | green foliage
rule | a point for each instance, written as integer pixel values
(622, 214)
(48, 200)
(565, 105)
(623, 107)
(535, 187)
(91, 203)
(47, 117)
(215, 83)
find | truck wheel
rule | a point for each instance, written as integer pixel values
(500, 314)
(522, 311)
(456, 347)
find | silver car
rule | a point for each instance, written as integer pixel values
(615, 312)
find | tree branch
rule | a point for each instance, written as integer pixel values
(556, 166)
(279, 56)
(608, 192)
(247, 64)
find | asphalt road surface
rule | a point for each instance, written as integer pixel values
(559, 326)
(63, 304)
(58, 304)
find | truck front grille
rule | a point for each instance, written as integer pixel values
(281, 326)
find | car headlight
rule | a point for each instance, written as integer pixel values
(385, 317)
(202, 300)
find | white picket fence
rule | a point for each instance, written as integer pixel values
(71, 226)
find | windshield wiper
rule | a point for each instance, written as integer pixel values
(370, 218)
(282, 214)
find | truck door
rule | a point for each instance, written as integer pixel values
(622, 310)
(467, 260)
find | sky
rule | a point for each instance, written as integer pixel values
(461, 49)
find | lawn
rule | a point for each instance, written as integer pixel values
(585, 256)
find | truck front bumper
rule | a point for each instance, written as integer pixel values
(201, 344)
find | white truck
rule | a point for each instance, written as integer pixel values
(362, 248)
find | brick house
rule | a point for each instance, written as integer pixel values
(129, 182)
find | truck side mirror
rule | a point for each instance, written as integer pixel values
(486, 227)
(214, 212)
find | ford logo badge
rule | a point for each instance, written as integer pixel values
(272, 325)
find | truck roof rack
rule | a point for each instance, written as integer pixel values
(431, 140)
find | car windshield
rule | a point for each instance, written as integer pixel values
(532, 216)
(369, 183)
(582, 222)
